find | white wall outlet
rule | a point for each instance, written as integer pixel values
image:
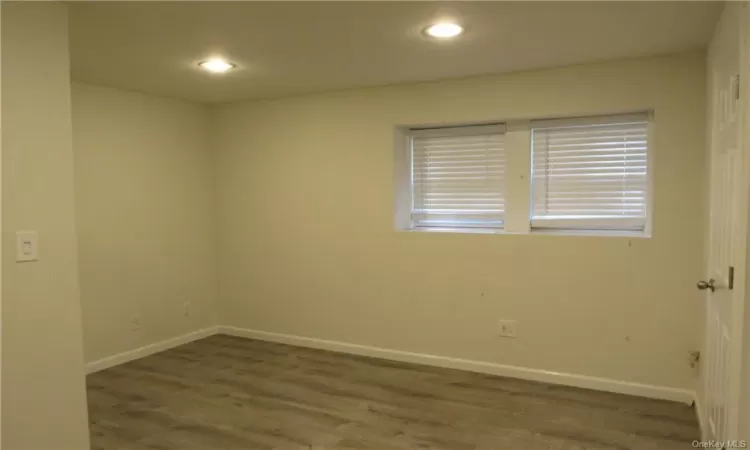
(186, 309)
(506, 328)
(135, 323)
(27, 246)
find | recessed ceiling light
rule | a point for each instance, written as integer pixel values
(444, 30)
(217, 65)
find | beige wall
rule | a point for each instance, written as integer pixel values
(43, 404)
(145, 214)
(307, 245)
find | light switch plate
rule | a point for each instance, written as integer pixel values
(27, 246)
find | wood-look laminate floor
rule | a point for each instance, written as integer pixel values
(231, 393)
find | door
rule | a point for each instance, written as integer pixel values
(727, 235)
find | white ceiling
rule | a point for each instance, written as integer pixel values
(285, 48)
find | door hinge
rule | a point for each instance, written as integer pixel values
(736, 83)
(694, 358)
(731, 277)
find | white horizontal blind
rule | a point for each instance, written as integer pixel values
(458, 177)
(590, 173)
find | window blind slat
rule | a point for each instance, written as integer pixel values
(458, 181)
(590, 175)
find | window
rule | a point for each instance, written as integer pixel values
(588, 175)
(458, 177)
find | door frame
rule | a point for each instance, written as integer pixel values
(739, 422)
(743, 424)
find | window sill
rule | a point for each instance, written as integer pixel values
(455, 230)
(591, 233)
(534, 232)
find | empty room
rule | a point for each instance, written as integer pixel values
(375, 225)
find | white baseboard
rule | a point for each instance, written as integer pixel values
(566, 379)
(146, 350)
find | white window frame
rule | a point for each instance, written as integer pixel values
(518, 179)
(404, 185)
